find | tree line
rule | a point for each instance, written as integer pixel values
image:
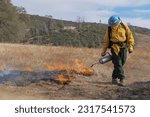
(16, 26)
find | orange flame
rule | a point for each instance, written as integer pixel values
(58, 68)
(64, 79)
(81, 68)
(86, 72)
(78, 68)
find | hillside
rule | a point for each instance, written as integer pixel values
(17, 26)
(66, 33)
(48, 72)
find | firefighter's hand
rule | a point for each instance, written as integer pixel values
(130, 49)
(103, 53)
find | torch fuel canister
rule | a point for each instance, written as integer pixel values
(106, 58)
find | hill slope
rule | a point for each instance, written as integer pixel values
(56, 32)
(19, 27)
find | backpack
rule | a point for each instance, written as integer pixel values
(109, 35)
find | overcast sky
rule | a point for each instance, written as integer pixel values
(135, 12)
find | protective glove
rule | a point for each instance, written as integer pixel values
(103, 53)
(130, 49)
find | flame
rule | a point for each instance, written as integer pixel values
(85, 72)
(81, 68)
(78, 68)
(64, 79)
(58, 68)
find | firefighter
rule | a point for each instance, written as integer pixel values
(119, 39)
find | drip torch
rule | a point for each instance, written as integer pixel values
(104, 59)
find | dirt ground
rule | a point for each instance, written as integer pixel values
(24, 76)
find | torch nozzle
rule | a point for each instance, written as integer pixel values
(94, 64)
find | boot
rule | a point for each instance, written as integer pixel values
(122, 82)
(114, 81)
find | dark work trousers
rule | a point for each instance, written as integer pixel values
(119, 61)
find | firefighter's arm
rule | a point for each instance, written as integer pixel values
(130, 40)
(105, 44)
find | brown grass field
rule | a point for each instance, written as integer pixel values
(48, 72)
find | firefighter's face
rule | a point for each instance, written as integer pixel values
(115, 27)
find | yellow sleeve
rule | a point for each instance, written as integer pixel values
(130, 38)
(106, 42)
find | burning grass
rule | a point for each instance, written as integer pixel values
(82, 69)
(77, 68)
(61, 74)
(62, 79)
(66, 62)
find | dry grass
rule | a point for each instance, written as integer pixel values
(23, 56)
(36, 57)
(98, 86)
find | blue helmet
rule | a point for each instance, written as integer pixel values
(114, 20)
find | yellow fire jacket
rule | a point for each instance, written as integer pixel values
(119, 34)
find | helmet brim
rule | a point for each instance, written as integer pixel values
(115, 24)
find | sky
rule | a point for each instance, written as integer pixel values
(135, 12)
